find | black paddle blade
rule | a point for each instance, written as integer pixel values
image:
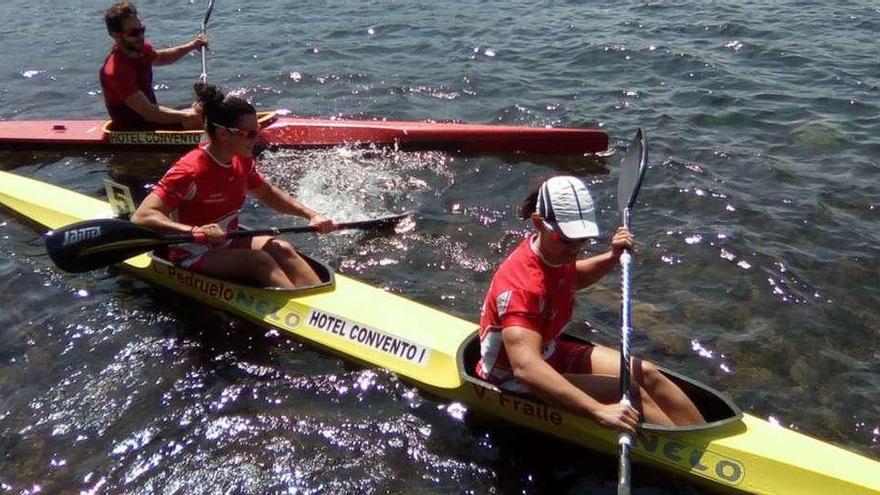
(94, 244)
(384, 223)
(632, 171)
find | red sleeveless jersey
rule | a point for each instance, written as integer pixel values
(525, 292)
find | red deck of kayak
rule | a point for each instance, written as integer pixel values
(301, 132)
(85, 132)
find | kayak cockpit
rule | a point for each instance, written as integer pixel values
(716, 408)
(322, 269)
(166, 137)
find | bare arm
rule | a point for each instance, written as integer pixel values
(153, 213)
(138, 101)
(592, 269)
(278, 199)
(170, 55)
(523, 347)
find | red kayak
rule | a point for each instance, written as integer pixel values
(291, 132)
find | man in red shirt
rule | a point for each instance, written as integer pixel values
(127, 75)
(530, 301)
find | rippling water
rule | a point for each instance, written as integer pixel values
(757, 270)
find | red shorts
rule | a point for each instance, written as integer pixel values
(192, 256)
(569, 357)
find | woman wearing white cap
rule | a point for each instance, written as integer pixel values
(530, 301)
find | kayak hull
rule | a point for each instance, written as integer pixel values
(291, 132)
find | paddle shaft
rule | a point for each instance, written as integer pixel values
(200, 238)
(204, 76)
(625, 441)
(274, 231)
(632, 171)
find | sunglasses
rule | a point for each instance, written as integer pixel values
(246, 133)
(133, 33)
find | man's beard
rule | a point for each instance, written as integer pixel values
(137, 47)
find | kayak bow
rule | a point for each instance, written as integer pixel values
(436, 351)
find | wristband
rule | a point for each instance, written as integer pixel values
(198, 237)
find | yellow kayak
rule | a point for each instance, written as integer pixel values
(733, 452)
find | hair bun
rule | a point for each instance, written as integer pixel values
(220, 109)
(209, 94)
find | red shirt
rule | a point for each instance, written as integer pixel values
(525, 292)
(199, 191)
(122, 76)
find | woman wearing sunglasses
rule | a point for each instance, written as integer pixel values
(531, 299)
(204, 191)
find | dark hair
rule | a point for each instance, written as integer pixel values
(530, 203)
(117, 14)
(527, 206)
(220, 108)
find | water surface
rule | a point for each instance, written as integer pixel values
(757, 269)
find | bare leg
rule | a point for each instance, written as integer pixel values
(606, 389)
(246, 266)
(669, 396)
(663, 391)
(298, 271)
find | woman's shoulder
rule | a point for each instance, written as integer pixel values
(245, 162)
(193, 161)
(521, 271)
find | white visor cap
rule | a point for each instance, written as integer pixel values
(567, 206)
